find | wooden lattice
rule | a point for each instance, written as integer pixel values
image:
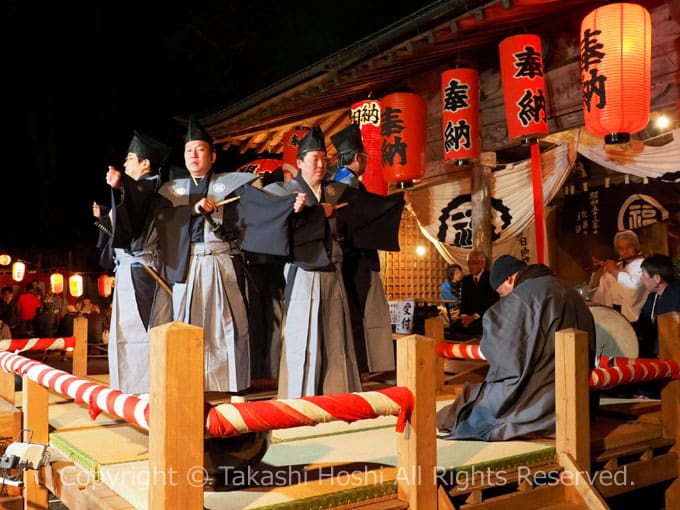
(408, 275)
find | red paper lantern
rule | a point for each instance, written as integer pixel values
(291, 140)
(460, 115)
(105, 285)
(57, 283)
(616, 53)
(523, 86)
(402, 128)
(366, 114)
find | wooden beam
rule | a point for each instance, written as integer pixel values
(669, 348)
(7, 384)
(572, 375)
(481, 203)
(575, 476)
(79, 368)
(176, 425)
(417, 445)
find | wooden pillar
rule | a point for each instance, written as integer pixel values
(79, 368)
(7, 386)
(417, 445)
(669, 348)
(34, 408)
(434, 329)
(572, 381)
(176, 424)
(481, 202)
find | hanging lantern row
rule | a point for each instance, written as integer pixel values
(460, 115)
(615, 62)
(366, 115)
(404, 118)
(523, 86)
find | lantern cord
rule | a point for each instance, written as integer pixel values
(537, 183)
(157, 277)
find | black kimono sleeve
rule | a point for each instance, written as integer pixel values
(264, 221)
(132, 211)
(371, 221)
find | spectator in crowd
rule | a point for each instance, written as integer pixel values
(28, 305)
(476, 297)
(451, 290)
(8, 308)
(658, 279)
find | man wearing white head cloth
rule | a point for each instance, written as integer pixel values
(620, 285)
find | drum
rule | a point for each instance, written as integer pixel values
(614, 334)
(227, 459)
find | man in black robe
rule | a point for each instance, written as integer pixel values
(517, 397)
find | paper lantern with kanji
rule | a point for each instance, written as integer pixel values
(291, 141)
(402, 128)
(75, 285)
(523, 86)
(18, 271)
(366, 115)
(105, 285)
(616, 52)
(460, 115)
(57, 283)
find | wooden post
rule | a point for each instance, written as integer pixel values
(79, 368)
(176, 424)
(434, 328)
(572, 381)
(34, 407)
(417, 445)
(481, 202)
(669, 348)
(7, 386)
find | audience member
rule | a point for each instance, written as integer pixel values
(658, 278)
(476, 297)
(517, 397)
(28, 305)
(8, 308)
(65, 328)
(618, 281)
(451, 290)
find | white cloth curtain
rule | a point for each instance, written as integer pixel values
(634, 158)
(513, 209)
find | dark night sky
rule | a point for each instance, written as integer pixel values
(80, 76)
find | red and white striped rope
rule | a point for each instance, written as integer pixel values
(227, 420)
(457, 351)
(38, 344)
(631, 370)
(98, 397)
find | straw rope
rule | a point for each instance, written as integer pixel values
(227, 420)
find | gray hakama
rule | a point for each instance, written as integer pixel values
(139, 302)
(128, 350)
(318, 352)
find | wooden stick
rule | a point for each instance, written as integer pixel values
(227, 201)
